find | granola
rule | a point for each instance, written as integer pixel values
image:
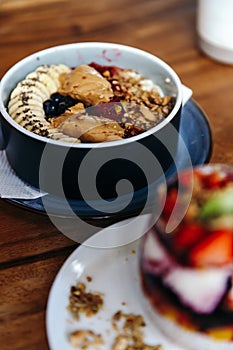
(84, 339)
(83, 302)
(128, 327)
(130, 335)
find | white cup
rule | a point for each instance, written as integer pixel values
(215, 29)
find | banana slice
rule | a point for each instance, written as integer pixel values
(69, 139)
(34, 125)
(30, 116)
(18, 108)
(55, 134)
(54, 71)
(26, 101)
(22, 118)
(42, 87)
(60, 68)
(20, 113)
(61, 137)
(51, 84)
(15, 106)
(29, 112)
(25, 89)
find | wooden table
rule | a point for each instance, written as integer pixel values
(32, 249)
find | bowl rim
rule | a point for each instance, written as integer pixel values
(103, 45)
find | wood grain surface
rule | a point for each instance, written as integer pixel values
(32, 249)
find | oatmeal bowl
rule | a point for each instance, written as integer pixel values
(77, 119)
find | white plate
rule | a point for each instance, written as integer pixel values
(114, 273)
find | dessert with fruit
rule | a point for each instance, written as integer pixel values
(187, 272)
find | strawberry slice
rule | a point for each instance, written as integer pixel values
(170, 203)
(188, 235)
(214, 180)
(216, 249)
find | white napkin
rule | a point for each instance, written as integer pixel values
(187, 94)
(11, 186)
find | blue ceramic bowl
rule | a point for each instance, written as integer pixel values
(87, 170)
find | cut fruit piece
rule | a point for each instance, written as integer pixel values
(170, 202)
(219, 204)
(187, 235)
(212, 180)
(215, 250)
(224, 333)
(156, 258)
(200, 290)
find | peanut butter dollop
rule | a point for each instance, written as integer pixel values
(74, 110)
(86, 84)
(92, 129)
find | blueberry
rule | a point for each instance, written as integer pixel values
(69, 101)
(57, 98)
(61, 108)
(49, 108)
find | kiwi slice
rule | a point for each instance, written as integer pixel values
(219, 204)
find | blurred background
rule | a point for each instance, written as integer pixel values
(138, 23)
